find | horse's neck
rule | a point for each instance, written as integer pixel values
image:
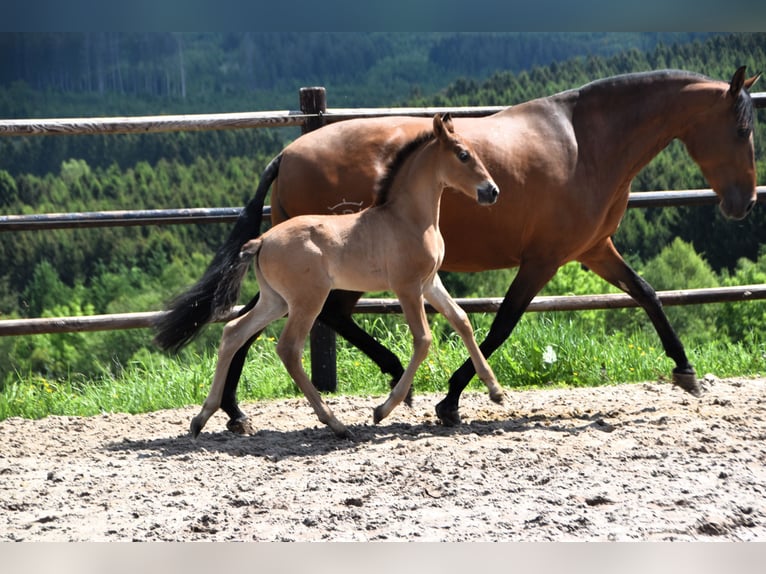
(645, 118)
(415, 195)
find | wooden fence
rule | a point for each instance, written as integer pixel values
(312, 115)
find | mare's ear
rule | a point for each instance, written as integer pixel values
(738, 81)
(750, 81)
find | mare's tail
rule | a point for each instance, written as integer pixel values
(218, 289)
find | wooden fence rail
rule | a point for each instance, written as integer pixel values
(41, 221)
(115, 321)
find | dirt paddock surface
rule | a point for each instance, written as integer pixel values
(642, 462)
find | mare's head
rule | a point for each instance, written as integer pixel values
(722, 145)
(460, 168)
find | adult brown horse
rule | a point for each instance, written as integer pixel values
(564, 164)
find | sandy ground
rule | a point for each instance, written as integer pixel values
(632, 462)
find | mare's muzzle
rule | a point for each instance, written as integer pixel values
(487, 193)
(737, 206)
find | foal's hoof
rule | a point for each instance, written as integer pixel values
(497, 397)
(408, 398)
(688, 382)
(240, 426)
(448, 417)
(196, 426)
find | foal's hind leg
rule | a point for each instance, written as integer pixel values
(236, 332)
(609, 264)
(290, 349)
(438, 296)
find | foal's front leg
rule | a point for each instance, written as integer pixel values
(438, 296)
(415, 315)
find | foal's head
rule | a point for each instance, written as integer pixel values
(459, 166)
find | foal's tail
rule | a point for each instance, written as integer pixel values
(218, 289)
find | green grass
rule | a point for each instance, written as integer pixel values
(582, 358)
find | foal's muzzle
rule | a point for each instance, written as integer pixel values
(487, 193)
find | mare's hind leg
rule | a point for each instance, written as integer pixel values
(609, 264)
(238, 422)
(438, 296)
(236, 332)
(528, 281)
(290, 350)
(336, 314)
(415, 314)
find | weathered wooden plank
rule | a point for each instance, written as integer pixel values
(151, 124)
(241, 120)
(39, 221)
(116, 321)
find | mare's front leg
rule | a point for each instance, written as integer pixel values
(235, 334)
(609, 264)
(438, 296)
(527, 283)
(415, 315)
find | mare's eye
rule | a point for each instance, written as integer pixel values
(463, 155)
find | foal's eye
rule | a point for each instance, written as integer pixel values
(463, 155)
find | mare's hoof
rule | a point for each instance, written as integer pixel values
(345, 434)
(497, 397)
(448, 417)
(240, 426)
(688, 382)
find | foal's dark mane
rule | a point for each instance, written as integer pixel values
(384, 184)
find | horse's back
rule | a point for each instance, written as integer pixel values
(530, 150)
(334, 170)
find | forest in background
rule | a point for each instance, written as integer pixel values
(88, 271)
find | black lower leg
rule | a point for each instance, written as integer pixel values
(529, 280)
(336, 314)
(684, 374)
(238, 422)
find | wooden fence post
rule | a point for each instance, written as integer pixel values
(324, 373)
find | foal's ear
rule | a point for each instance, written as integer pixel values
(738, 81)
(447, 121)
(443, 126)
